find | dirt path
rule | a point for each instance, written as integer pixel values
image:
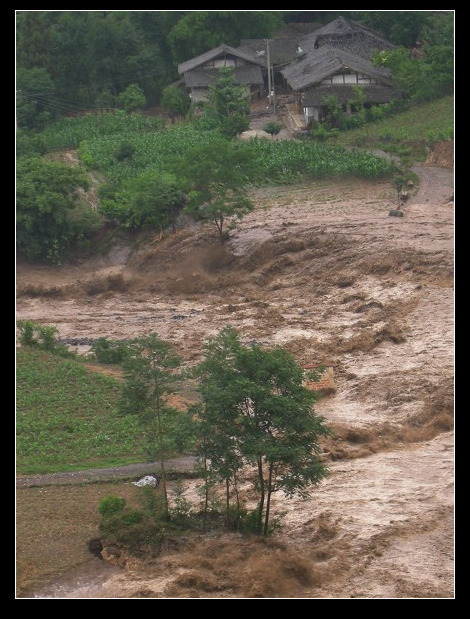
(175, 466)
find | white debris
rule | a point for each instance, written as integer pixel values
(148, 480)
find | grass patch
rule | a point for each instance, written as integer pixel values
(66, 417)
(409, 134)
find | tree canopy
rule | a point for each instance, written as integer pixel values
(151, 374)
(215, 176)
(256, 411)
(88, 55)
(49, 219)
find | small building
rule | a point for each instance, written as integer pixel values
(198, 73)
(335, 58)
(331, 71)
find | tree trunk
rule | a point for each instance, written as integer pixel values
(227, 503)
(261, 498)
(268, 501)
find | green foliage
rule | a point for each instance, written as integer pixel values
(31, 110)
(108, 351)
(291, 161)
(196, 32)
(422, 76)
(111, 505)
(181, 510)
(272, 161)
(48, 219)
(228, 105)
(399, 27)
(273, 128)
(257, 411)
(41, 336)
(26, 330)
(152, 503)
(334, 113)
(321, 132)
(125, 150)
(149, 525)
(151, 200)
(132, 527)
(175, 101)
(412, 129)
(247, 521)
(29, 144)
(215, 177)
(66, 416)
(131, 99)
(155, 150)
(151, 374)
(411, 75)
(71, 132)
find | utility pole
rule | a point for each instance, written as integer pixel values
(274, 92)
(268, 60)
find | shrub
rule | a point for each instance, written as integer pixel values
(273, 128)
(124, 151)
(41, 336)
(111, 505)
(26, 330)
(107, 351)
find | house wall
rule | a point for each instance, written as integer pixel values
(228, 61)
(198, 94)
(349, 78)
(311, 113)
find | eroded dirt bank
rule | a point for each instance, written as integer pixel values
(324, 271)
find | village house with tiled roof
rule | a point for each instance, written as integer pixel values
(333, 60)
(199, 72)
(329, 60)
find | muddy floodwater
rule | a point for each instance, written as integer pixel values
(323, 270)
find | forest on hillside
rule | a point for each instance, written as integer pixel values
(67, 61)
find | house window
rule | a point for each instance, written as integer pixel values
(224, 62)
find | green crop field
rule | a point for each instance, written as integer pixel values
(414, 130)
(66, 417)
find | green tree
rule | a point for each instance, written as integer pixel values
(217, 430)
(151, 201)
(33, 39)
(427, 71)
(334, 114)
(151, 375)
(34, 90)
(215, 177)
(228, 105)
(261, 414)
(175, 101)
(439, 50)
(198, 31)
(411, 75)
(281, 430)
(49, 217)
(72, 63)
(399, 27)
(273, 128)
(132, 98)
